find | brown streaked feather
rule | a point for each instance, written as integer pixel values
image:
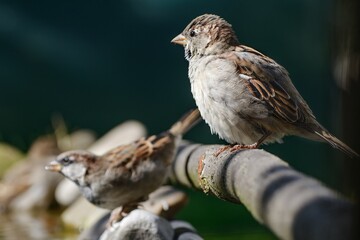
(186, 122)
(332, 140)
(265, 89)
(243, 48)
(145, 148)
(120, 156)
(132, 154)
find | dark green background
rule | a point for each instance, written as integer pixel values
(102, 62)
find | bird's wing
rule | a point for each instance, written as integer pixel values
(130, 155)
(268, 81)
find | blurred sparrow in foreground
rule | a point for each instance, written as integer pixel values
(245, 97)
(124, 176)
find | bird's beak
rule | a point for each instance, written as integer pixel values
(180, 39)
(53, 167)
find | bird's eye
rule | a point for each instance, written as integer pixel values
(192, 33)
(66, 160)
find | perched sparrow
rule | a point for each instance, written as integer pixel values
(245, 97)
(124, 176)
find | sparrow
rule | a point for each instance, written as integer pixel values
(124, 176)
(244, 96)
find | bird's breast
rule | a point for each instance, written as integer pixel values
(220, 98)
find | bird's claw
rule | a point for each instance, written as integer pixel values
(221, 150)
(236, 147)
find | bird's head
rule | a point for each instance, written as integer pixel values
(74, 165)
(206, 35)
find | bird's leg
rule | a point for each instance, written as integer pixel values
(222, 149)
(243, 147)
(119, 213)
(237, 147)
(116, 216)
(255, 145)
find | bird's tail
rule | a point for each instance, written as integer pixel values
(335, 142)
(189, 120)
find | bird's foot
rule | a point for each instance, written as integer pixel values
(222, 149)
(119, 213)
(238, 147)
